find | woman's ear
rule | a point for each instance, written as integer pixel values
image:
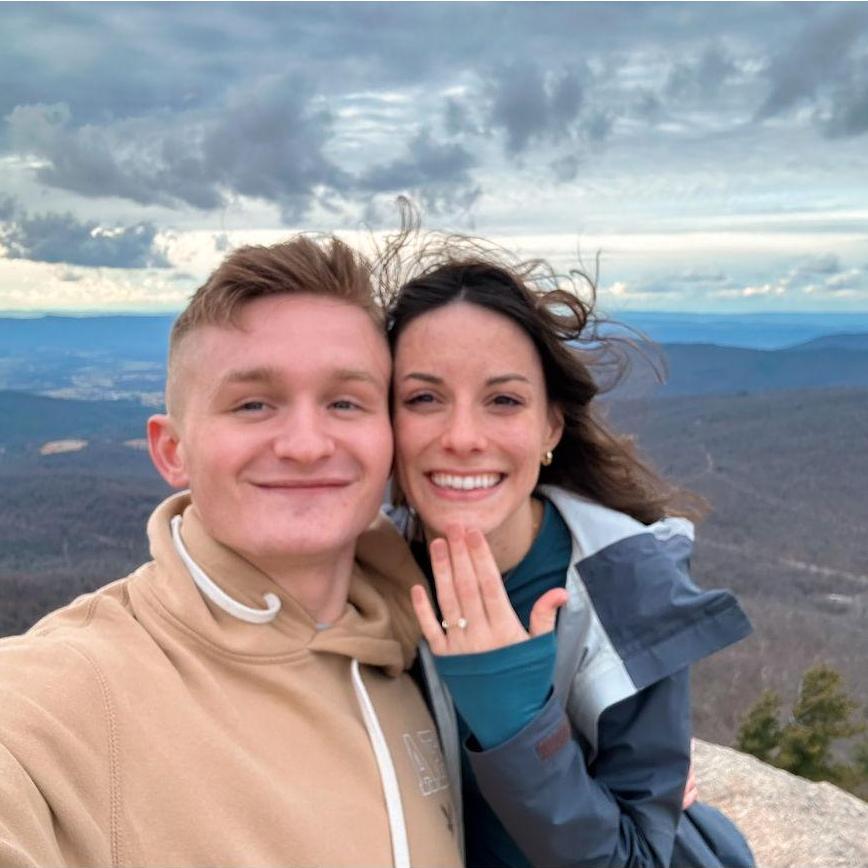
(555, 426)
(164, 444)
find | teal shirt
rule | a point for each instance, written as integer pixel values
(497, 693)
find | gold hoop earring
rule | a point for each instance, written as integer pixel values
(547, 458)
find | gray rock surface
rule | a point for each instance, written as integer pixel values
(789, 822)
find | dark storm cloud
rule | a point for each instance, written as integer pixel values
(529, 103)
(849, 113)
(267, 143)
(114, 60)
(435, 173)
(426, 162)
(821, 56)
(519, 104)
(61, 238)
(167, 104)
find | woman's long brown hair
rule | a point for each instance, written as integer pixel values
(417, 273)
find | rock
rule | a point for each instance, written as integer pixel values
(789, 822)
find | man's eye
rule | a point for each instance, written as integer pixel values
(345, 404)
(250, 407)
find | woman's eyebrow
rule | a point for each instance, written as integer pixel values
(505, 378)
(491, 381)
(425, 378)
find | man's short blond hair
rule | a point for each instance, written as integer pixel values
(323, 266)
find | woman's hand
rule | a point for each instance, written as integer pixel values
(477, 614)
(691, 791)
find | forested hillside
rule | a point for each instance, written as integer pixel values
(783, 471)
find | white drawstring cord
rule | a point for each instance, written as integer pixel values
(215, 593)
(397, 827)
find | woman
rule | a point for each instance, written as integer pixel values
(576, 739)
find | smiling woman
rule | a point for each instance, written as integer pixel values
(566, 621)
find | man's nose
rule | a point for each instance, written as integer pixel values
(304, 437)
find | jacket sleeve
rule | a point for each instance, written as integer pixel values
(622, 810)
(27, 837)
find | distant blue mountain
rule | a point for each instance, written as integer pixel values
(140, 338)
(145, 337)
(123, 357)
(769, 331)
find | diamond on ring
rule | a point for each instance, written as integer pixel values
(461, 624)
(444, 624)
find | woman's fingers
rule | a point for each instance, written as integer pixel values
(465, 578)
(691, 791)
(499, 610)
(428, 622)
(441, 566)
(544, 614)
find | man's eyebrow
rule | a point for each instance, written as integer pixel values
(491, 381)
(261, 374)
(266, 374)
(353, 374)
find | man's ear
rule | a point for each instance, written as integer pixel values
(164, 444)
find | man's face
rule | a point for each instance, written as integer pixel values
(284, 438)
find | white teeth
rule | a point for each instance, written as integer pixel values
(465, 483)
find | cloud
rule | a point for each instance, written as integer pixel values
(530, 104)
(598, 125)
(61, 238)
(825, 264)
(702, 76)
(821, 275)
(268, 143)
(8, 208)
(566, 168)
(519, 104)
(426, 162)
(646, 104)
(819, 57)
(825, 275)
(457, 119)
(849, 113)
(435, 173)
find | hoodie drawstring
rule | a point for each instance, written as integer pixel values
(388, 778)
(215, 593)
(397, 827)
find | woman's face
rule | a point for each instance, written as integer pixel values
(471, 422)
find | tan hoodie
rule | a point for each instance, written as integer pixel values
(142, 725)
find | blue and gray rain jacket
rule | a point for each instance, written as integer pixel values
(597, 778)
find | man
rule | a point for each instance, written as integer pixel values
(242, 699)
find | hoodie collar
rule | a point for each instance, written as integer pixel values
(377, 626)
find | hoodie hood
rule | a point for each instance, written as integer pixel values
(377, 626)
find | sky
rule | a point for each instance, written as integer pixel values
(714, 156)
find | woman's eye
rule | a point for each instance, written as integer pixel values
(422, 398)
(506, 401)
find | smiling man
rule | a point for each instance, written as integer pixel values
(242, 698)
